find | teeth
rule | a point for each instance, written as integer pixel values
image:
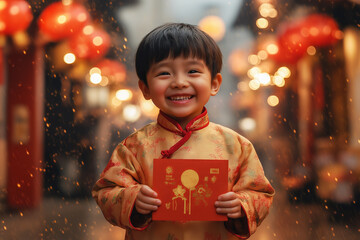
(180, 98)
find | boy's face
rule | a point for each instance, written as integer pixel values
(180, 87)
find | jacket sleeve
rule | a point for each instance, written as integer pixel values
(253, 189)
(116, 190)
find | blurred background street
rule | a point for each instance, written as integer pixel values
(69, 95)
(81, 219)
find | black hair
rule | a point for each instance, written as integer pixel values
(174, 40)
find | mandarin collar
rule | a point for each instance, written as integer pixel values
(197, 123)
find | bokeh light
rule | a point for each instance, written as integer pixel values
(262, 23)
(253, 72)
(279, 81)
(124, 94)
(254, 59)
(69, 58)
(148, 108)
(272, 49)
(131, 113)
(254, 84)
(263, 78)
(95, 78)
(273, 100)
(311, 50)
(283, 72)
(214, 26)
(247, 124)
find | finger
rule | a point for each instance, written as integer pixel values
(148, 200)
(227, 196)
(232, 210)
(142, 211)
(234, 215)
(145, 208)
(228, 204)
(147, 191)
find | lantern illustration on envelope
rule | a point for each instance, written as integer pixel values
(189, 178)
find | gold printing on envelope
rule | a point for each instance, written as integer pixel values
(190, 180)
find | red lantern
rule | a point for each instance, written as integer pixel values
(291, 40)
(292, 45)
(15, 16)
(90, 43)
(284, 56)
(114, 70)
(59, 21)
(320, 30)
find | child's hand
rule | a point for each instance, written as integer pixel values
(229, 204)
(146, 200)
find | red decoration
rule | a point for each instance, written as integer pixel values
(59, 21)
(284, 55)
(188, 188)
(114, 70)
(24, 118)
(293, 42)
(316, 30)
(15, 16)
(320, 30)
(90, 43)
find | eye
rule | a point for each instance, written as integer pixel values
(193, 71)
(163, 74)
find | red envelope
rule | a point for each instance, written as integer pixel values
(188, 189)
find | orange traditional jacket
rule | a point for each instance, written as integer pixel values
(131, 165)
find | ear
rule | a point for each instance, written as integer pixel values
(144, 89)
(215, 84)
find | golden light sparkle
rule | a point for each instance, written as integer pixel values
(214, 26)
(273, 100)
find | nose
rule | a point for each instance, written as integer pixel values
(179, 82)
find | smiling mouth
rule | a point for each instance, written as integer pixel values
(180, 98)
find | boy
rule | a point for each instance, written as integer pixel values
(179, 69)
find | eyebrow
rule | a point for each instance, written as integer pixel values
(160, 64)
(196, 62)
(187, 62)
